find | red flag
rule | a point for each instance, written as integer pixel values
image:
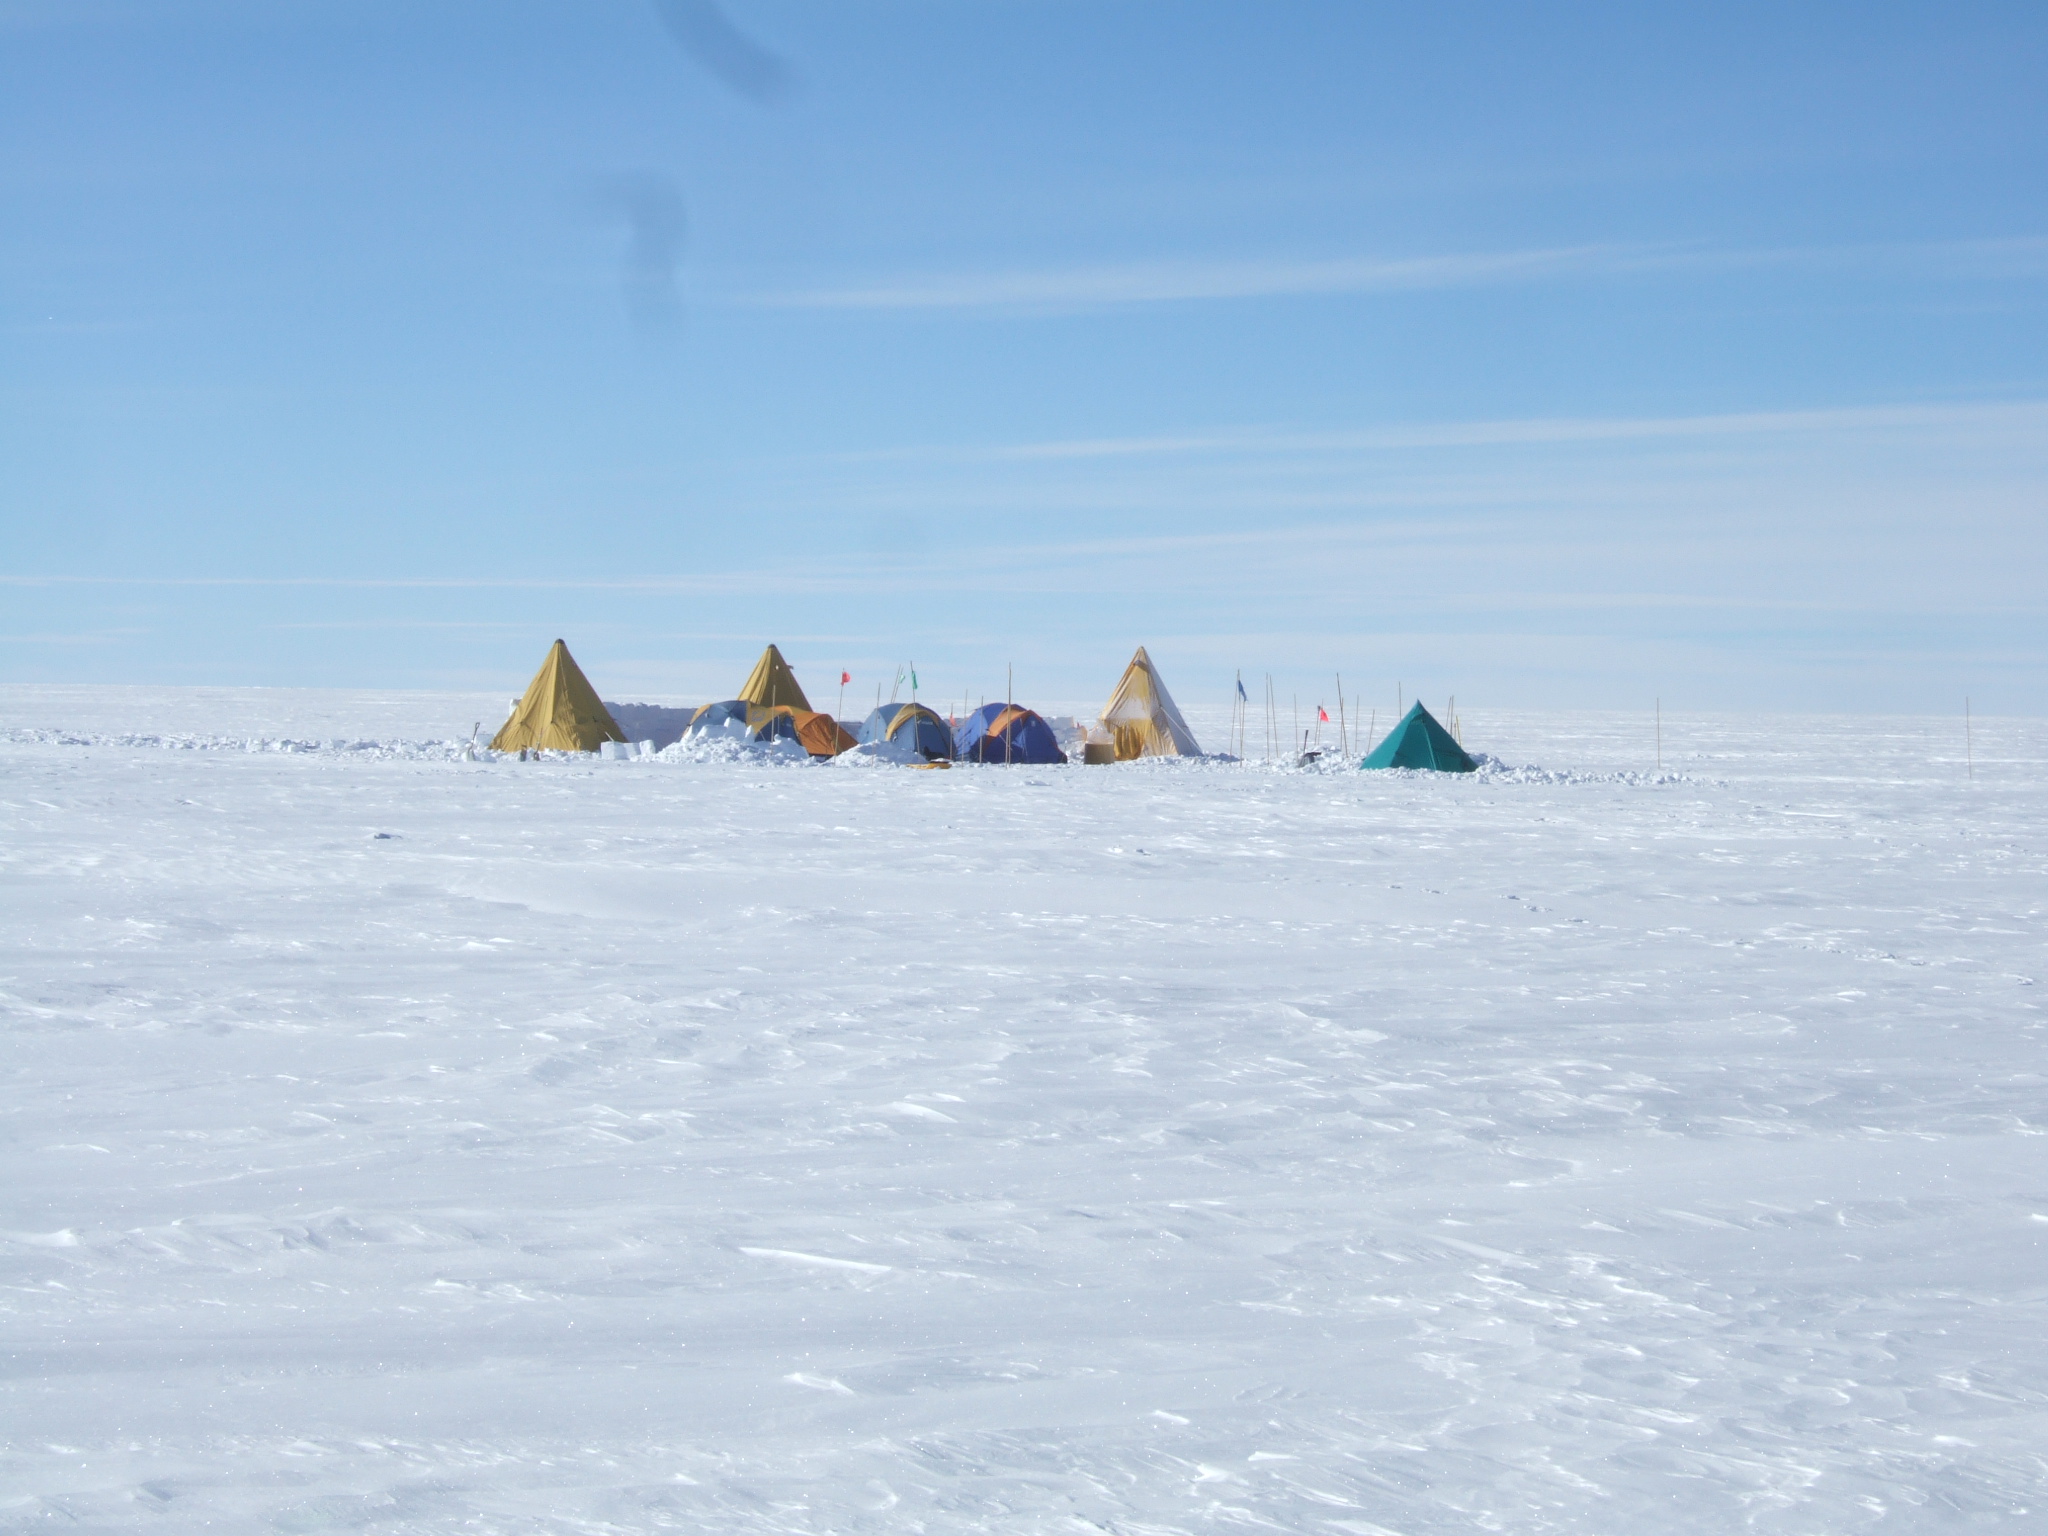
(1322, 713)
(845, 678)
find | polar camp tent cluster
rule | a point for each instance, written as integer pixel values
(561, 712)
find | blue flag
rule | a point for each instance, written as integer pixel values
(1241, 693)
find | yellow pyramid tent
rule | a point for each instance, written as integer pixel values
(561, 710)
(1140, 716)
(771, 683)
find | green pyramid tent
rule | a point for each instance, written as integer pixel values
(561, 710)
(1419, 742)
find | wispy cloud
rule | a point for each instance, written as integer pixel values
(1767, 510)
(1180, 281)
(707, 583)
(78, 637)
(2028, 417)
(1109, 285)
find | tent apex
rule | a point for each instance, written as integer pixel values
(1141, 718)
(560, 710)
(771, 683)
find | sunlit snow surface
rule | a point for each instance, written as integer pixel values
(395, 1143)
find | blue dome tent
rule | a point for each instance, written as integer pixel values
(912, 726)
(1007, 733)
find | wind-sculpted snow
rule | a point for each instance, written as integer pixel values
(412, 1144)
(408, 751)
(1493, 771)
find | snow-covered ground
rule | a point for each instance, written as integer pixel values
(394, 1143)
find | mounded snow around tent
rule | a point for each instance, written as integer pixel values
(1419, 742)
(741, 721)
(820, 735)
(1141, 716)
(560, 711)
(771, 682)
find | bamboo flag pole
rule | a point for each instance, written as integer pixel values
(1343, 733)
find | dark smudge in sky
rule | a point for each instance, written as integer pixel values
(708, 36)
(656, 225)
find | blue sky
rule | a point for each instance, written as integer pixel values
(1550, 356)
